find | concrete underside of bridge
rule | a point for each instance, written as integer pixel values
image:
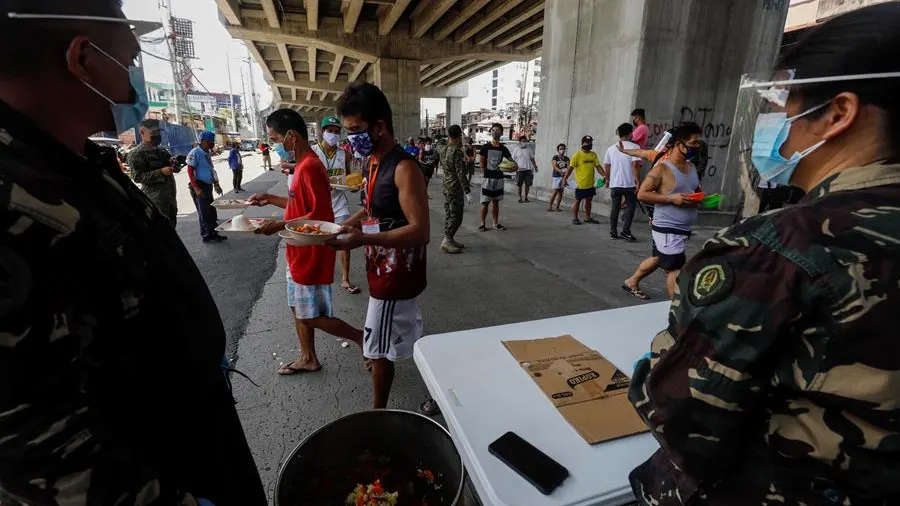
(681, 61)
(311, 49)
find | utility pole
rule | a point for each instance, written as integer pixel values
(234, 127)
(253, 95)
(173, 62)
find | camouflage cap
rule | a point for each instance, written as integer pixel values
(328, 121)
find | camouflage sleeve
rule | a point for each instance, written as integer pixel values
(459, 165)
(143, 174)
(702, 384)
(53, 450)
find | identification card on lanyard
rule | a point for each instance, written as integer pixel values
(371, 225)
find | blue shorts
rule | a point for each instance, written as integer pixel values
(309, 301)
(588, 193)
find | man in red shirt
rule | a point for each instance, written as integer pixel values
(310, 268)
(641, 130)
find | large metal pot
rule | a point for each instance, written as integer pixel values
(407, 439)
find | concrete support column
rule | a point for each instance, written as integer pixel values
(681, 61)
(454, 111)
(399, 80)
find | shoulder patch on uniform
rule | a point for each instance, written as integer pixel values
(712, 283)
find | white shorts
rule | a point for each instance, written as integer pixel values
(309, 301)
(392, 328)
(669, 244)
(556, 184)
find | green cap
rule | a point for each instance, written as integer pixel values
(330, 121)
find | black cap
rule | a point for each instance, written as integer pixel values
(586, 139)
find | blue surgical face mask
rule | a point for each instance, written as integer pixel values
(362, 143)
(772, 130)
(128, 115)
(282, 153)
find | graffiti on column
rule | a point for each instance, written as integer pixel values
(717, 134)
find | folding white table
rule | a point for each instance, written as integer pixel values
(483, 393)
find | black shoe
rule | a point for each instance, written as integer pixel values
(576, 221)
(215, 238)
(592, 221)
(614, 235)
(628, 237)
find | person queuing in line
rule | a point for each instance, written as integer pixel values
(412, 148)
(394, 229)
(641, 132)
(624, 178)
(456, 189)
(310, 270)
(775, 381)
(524, 158)
(470, 160)
(266, 155)
(236, 164)
(490, 156)
(95, 283)
(153, 169)
(203, 181)
(429, 159)
(337, 167)
(666, 186)
(559, 164)
(584, 163)
(771, 196)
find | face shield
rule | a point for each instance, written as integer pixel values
(763, 122)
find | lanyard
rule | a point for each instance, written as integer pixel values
(371, 187)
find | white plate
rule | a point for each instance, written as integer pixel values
(230, 204)
(225, 228)
(301, 239)
(345, 188)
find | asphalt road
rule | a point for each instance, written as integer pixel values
(236, 269)
(543, 266)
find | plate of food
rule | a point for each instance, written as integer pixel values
(695, 197)
(507, 166)
(230, 204)
(240, 224)
(309, 232)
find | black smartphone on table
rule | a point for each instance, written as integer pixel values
(532, 464)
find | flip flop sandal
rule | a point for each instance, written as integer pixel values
(294, 370)
(482, 229)
(429, 408)
(499, 227)
(636, 292)
(351, 289)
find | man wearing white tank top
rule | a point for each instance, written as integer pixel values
(337, 165)
(667, 186)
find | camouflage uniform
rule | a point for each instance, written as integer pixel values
(146, 160)
(111, 345)
(456, 186)
(777, 381)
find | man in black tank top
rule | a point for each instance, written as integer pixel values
(393, 227)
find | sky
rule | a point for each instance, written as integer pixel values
(211, 41)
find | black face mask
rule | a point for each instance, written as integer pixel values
(587, 147)
(156, 140)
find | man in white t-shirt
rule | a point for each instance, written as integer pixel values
(337, 165)
(524, 158)
(624, 178)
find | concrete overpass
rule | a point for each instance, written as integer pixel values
(310, 50)
(680, 60)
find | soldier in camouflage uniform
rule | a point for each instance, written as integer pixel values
(456, 188)
(152, 168)
(777, 381)
(111, 346)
